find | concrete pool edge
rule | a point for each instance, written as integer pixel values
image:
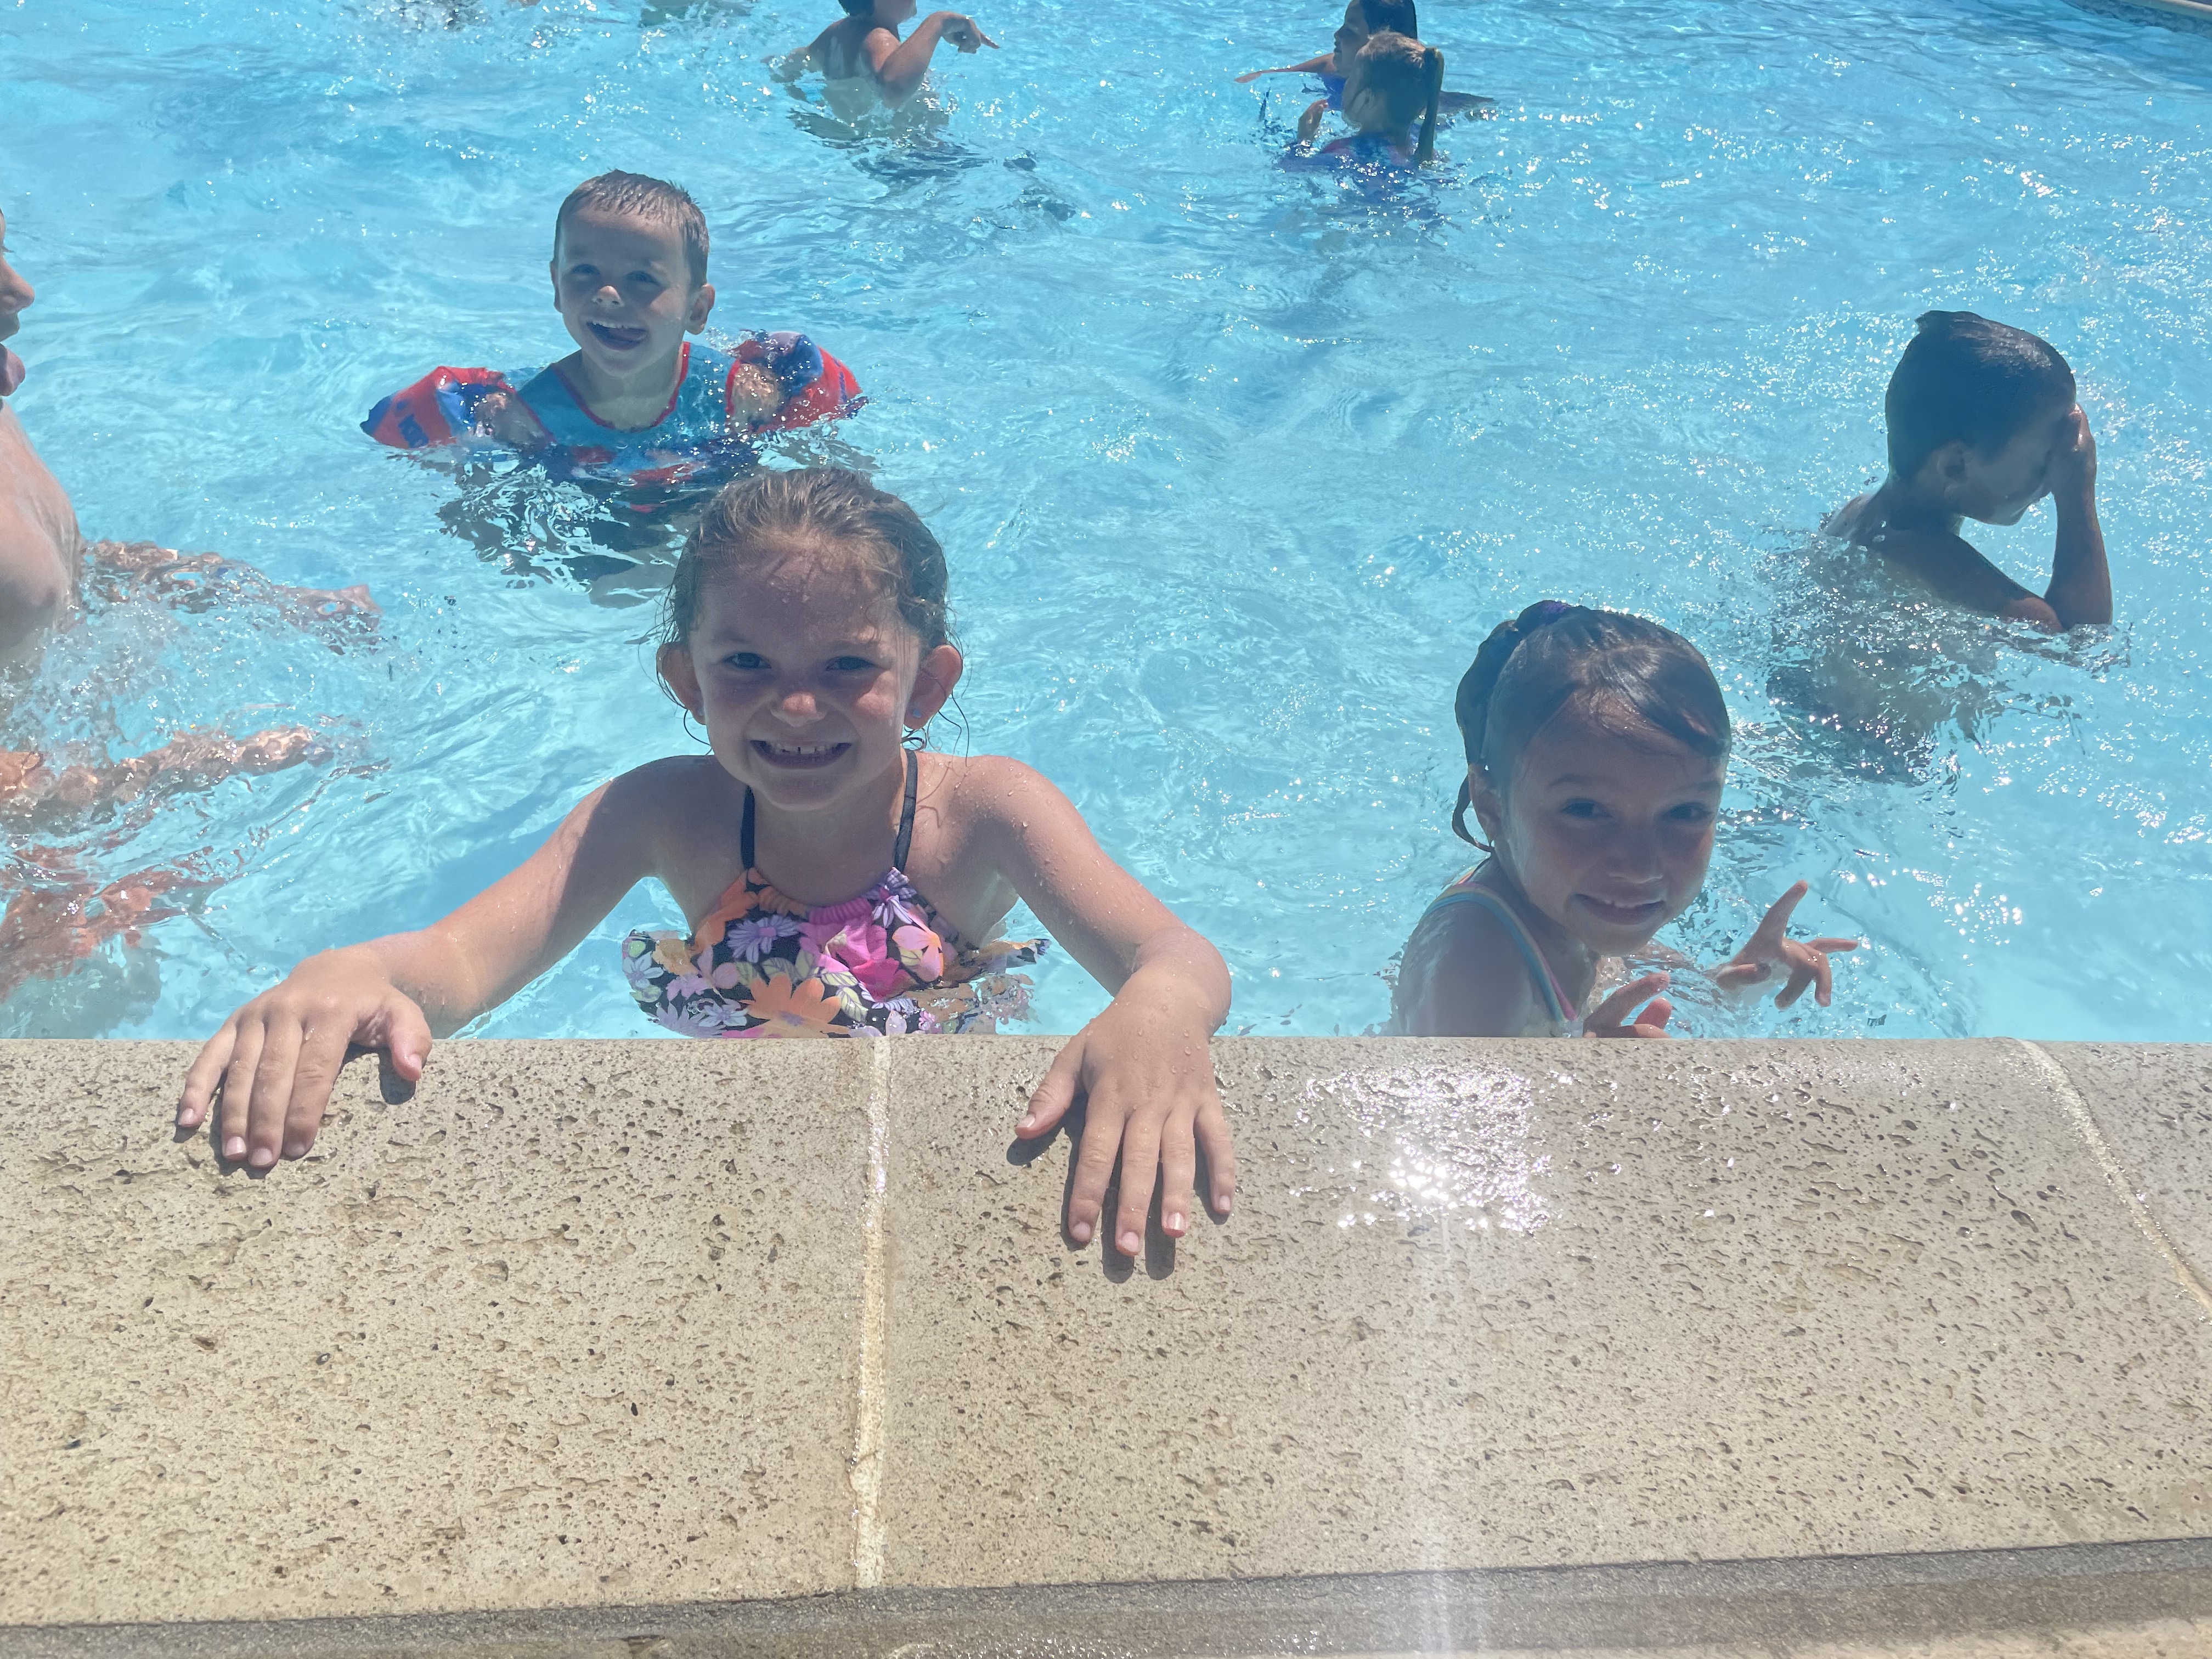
(617, 1325)
(1939, 1600)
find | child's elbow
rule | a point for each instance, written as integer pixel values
(32, 600)
(2036, 613)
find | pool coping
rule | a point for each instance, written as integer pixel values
(899, 1408)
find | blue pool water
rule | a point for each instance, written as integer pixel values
(1234, 470)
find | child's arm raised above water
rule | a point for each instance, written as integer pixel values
(1143, 1064)
(899, 65)
(274, 1061)
(1324, 64)
(2080, 590)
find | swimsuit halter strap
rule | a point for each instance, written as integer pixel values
(906, 812)
(905, 830)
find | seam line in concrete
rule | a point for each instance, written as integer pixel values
(2085, 1123)
(868, 1408)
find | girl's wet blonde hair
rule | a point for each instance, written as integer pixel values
(831, 509)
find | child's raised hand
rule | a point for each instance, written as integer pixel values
(1144, 1067)
(1617, 1016)
(1770, 946)
(962, 33)
(2074, 457)
(275, 1059)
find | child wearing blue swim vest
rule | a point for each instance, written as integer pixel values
(637, 402)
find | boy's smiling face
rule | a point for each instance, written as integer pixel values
(623, 285)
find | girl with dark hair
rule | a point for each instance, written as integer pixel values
(1363, 21)
(1596, 745)
(1394, 80)
(837, 877)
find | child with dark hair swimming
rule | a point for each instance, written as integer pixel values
(864, 63)
(1393, 82)
(1363, 21)
(1982, 425)
(1597, 746)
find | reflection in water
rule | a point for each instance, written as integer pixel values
(1448, 1141)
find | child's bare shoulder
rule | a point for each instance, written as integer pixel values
(678, 789)
(995, 787)
(1463, 975)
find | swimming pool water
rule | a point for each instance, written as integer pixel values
(1234, 470)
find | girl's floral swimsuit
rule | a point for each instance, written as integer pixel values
(762, 965)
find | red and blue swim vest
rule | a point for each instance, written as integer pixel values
(700, 425)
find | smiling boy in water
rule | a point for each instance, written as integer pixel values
(1983, 425)
(636, 401)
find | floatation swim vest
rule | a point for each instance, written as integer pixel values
(700, 425)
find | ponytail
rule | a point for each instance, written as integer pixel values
(1471, 706)
(1434, 63)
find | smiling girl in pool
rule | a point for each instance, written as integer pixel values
(807, 629)
(1597, 748)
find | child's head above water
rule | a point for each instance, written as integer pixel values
(806, 625)
(1394, 80)
(629, 270)
(1364, 19)
(1597, 748)
(1974, 409)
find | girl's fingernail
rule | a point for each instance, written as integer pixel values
(1174, 1223)
(1223, 1201)
(234, 1147)
(1132, 1242)
(1079, 1231)
(261, 1157)
(1029, 1122)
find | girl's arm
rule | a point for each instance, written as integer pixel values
(274, 1061)
(1144, 1065)
(899, 65)
(1326, 64)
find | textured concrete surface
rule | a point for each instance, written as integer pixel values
(2153, 1102)
(1516, 1304)
(618, 1325)
(566, 1328)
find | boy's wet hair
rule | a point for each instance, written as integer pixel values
(1409, 75)
(643, 197)
(1623, 674)
(857, 8)
(1965, 378)
(1384, 17)
(830, 508)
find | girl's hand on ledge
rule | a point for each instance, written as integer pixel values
(1146, 1073)
(268, 1073)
